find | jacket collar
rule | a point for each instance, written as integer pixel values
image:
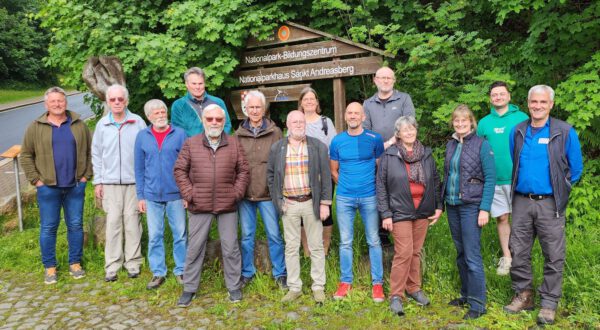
(465, 138)
(223, 142)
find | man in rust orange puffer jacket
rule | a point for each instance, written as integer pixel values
(212, 174)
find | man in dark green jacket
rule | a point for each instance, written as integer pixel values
(495, 128)
(56, 158)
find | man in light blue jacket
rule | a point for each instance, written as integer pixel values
(156, 150)
(114, 183)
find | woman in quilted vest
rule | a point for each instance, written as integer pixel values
(468, 190)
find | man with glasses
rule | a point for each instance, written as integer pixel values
(212, 174)
(114, 183)
(186, 112)
(381, 112)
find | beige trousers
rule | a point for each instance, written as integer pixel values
(122, 222)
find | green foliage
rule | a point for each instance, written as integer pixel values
(445, 53)
(22, 45)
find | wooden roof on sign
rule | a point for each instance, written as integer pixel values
(306, 33)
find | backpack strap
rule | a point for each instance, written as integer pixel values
(325, 128)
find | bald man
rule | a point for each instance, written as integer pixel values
(381, 112)
(354, 154)
(299, 182)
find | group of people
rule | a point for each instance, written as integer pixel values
(377, 167)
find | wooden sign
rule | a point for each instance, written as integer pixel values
(282, 35)
(272, 94)
(295, 53)
(312, 71)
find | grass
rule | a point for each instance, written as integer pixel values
(578, 308)
(11, 95)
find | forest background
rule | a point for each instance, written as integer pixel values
(444, 53)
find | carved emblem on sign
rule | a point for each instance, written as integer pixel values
(283, 33)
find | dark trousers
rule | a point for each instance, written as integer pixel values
(466, 235)
(198, 229)
(533, 218)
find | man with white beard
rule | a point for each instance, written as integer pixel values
(212, 174)
(155, 153)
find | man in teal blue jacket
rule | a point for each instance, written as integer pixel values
(187, 111)
(495, 128)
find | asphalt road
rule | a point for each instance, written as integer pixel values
(13, 123)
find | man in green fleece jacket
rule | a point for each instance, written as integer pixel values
(495, 128)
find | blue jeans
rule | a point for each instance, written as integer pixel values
(50, 200)
(346, 210)
(248, 223)
(155, 216)
(467, 239)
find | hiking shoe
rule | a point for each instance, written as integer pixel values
(133, 274)
(459, 302)
(471, 315)
(377, 293)
(179, 279)
(523, 301)
(504, 266)
(244, 281)
(282, 282)
(342, 291)
(420, 298)
(546, 316)
(76, 271)
(186, 299)
(156, 282)
(396, 305)
(235, 295)
(110, 277)
(50, 276)
(319, 296)
(291, 296)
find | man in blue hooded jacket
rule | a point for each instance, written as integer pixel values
(186, 112)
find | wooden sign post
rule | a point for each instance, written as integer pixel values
(292, 55)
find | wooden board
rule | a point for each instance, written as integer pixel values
(295, 53)
(12, 152)
(312, 71)
(282, 35)
(272, 94)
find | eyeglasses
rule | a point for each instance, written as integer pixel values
(216, 119)
(113, 99)
(385, 78)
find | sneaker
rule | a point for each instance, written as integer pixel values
(50, 276)
(186, 299)
(546, 316)
(471, 315)
(76, 271)
(504, 266)
(319, 296)
(133, 274)
(244, 281)
(523, 301)
(342, 291)
(110, 277)
(282, 282)
(459, 302)
(291, 296)
(179, 279)
(377, 293)
(396, 305)
(156, 282)
(235, 295)
(420, 298)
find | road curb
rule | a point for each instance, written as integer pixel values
(23, 103)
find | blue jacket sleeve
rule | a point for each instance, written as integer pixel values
(489, 173)
(574, 157)
(138, 165)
